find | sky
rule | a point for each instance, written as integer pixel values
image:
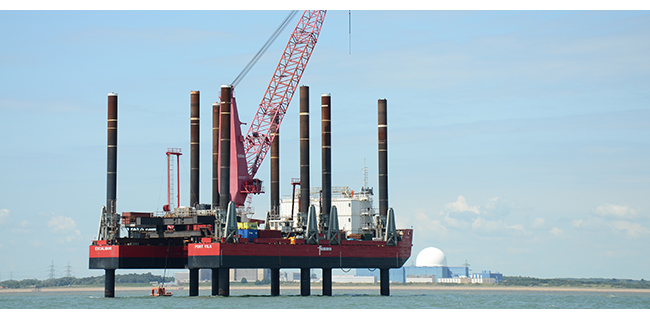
(518, 140)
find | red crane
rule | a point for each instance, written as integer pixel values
(250, 150)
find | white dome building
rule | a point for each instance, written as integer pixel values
(431, 257)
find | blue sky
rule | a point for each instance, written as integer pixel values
(518, 140)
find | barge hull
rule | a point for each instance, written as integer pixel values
(266, 253)
(137, 257)
(349, 254)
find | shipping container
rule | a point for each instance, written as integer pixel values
(245, 233)
(247, 225)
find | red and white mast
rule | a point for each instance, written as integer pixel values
(257, 141)
(171, 167)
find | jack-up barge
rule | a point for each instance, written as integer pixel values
(222, 235)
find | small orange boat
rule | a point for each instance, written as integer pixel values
(160, 292)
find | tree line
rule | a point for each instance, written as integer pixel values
(573, 282)
(87, 281)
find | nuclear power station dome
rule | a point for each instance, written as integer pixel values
(431, 257)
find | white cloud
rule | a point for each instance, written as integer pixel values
(428, 225)
(556, 231)
(437, 227)
(632, 229)
(497, 228)
(518, 228)
(4, 216)
(70, 237)
(496, 208)
(539, 223)
(459, 214)
(403, 221)
(65, 226)
(615, 211)
(485, 220)
(36, 243)
(617, 218)
(460, 220)
(61, 224)
(460, 206)
(23, 227)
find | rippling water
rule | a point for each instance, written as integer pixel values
(342, 299)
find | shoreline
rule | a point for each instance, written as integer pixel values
(317, 286)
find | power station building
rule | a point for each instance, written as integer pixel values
(431, 267)
(487, 277)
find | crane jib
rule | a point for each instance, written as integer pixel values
(279, 93)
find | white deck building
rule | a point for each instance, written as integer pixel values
(355, 209)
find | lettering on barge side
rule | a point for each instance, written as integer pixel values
(202, 246)
(321, 249)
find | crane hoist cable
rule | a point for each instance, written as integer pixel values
(262, 50)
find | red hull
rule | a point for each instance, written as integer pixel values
(281, 254)
(262, 253)
(137, 257)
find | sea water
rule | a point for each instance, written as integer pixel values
(341, 299)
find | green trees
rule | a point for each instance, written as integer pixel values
(263, 281)
(571, 282)
(87, 281)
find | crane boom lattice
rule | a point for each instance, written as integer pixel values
(280, 91)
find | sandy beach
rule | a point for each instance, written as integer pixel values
(317, 286)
